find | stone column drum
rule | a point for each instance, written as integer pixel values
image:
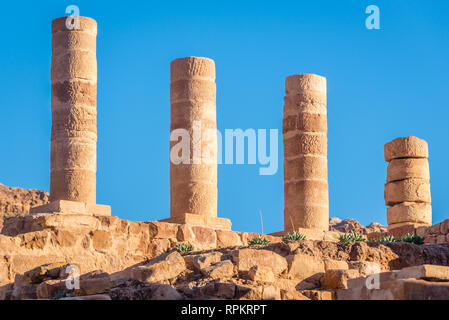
(193, 185)
(407, 190)
(306, 195)
(74, 119)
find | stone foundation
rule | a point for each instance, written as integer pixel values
(72, 207)
(199, 220)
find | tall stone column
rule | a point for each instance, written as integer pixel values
(407, 190)
(193, 184)
(306, 196)
(74, 119)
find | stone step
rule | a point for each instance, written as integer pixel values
(402, 289)
(417, 282)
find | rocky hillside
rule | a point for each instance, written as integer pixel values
(18, 201)
(348, 225)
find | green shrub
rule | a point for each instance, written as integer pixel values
(412, 238)
(351, 237)
(295, 236)
(61, 294)
(387, 239)
(259, 240)
(181, 247)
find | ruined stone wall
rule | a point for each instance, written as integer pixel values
(438, 233)
(107, 243)
(299, 270)
(407, 190)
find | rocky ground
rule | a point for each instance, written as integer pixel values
(300, 270)
(121, 260)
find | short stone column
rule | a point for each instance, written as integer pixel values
(193, 183)
(74, 119)
(407, 190)
(306, 195)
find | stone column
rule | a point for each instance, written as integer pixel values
(74, 119)
(193, 185)
(306, 196)
(407, 190)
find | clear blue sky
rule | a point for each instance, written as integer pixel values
(382, 84)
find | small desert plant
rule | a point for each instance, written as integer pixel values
(258, 240)
(387, 239)
(412, 238)
(61, 294)
(295, 236)
(351, 237)
(181, 247)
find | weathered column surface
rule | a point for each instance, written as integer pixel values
(306, 196)
(407, 190)
(74, 119)
(193, 183)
